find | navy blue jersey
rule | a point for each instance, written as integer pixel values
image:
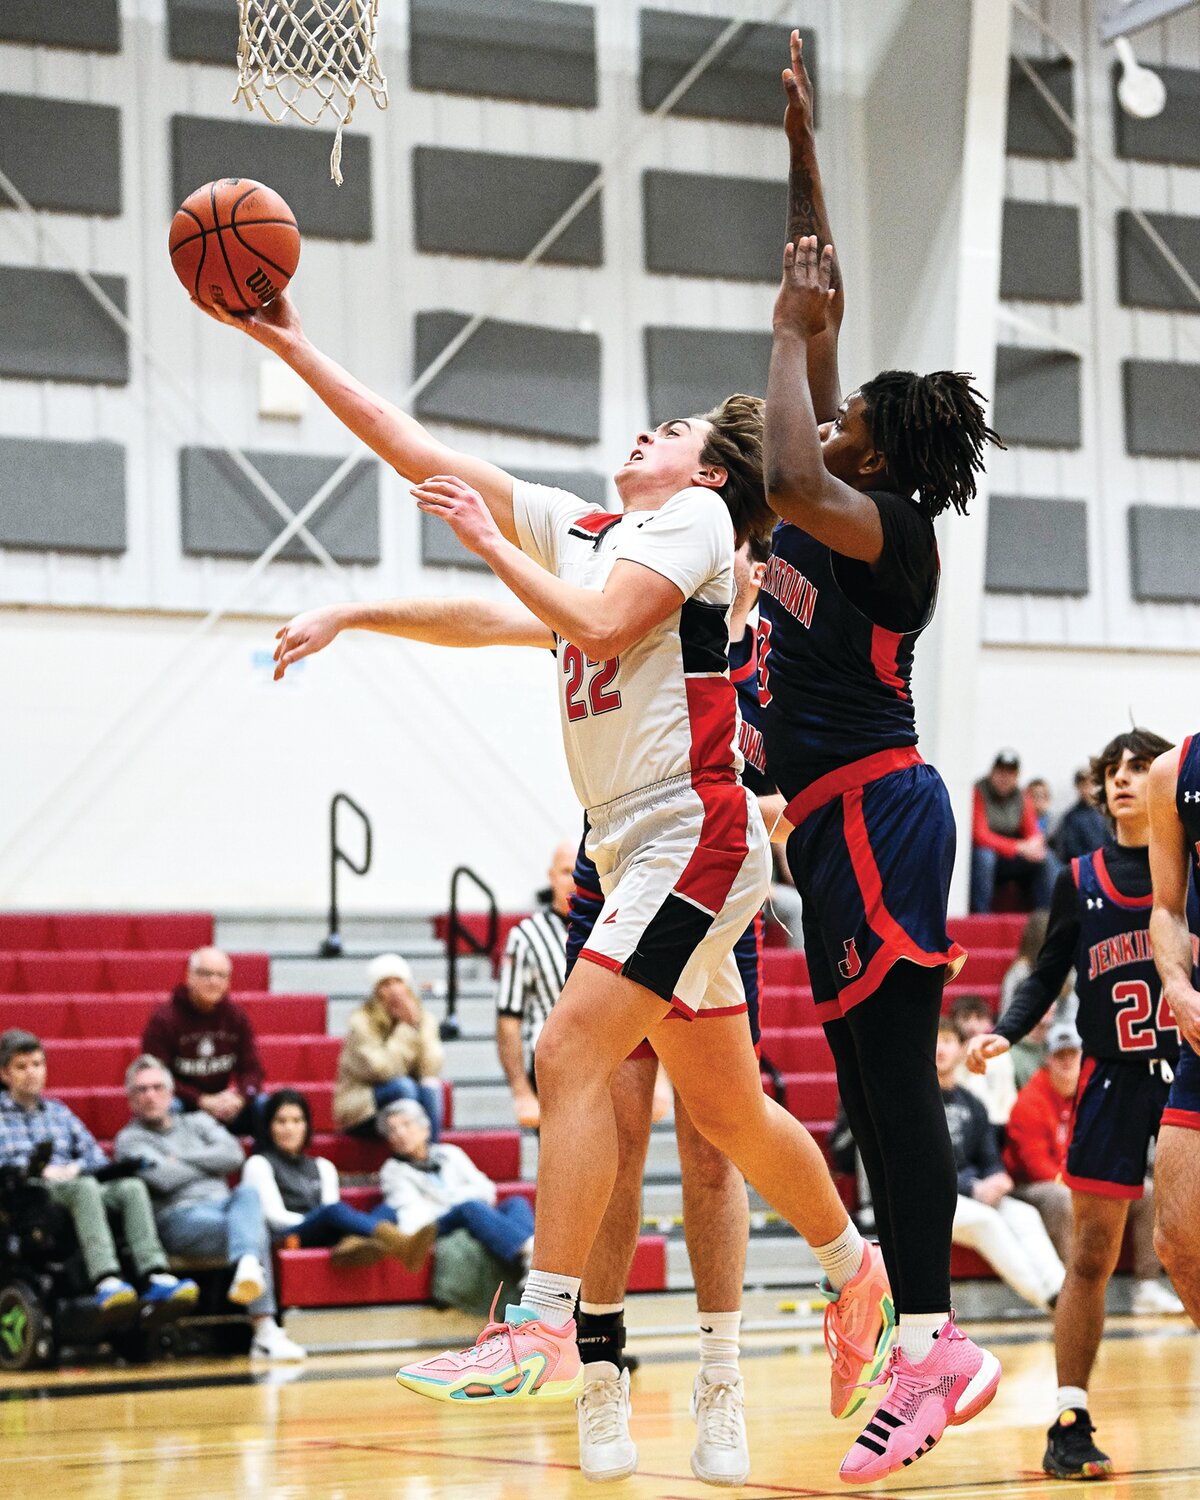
(1187, 803)
(1122, 1014)
(835, 648)
(743, 673)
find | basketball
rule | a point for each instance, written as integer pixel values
(234, 243)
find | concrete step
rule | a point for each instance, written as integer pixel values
(368, 932)
(473, 1058)
(345, 977)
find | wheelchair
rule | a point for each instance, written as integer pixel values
(45, 1297)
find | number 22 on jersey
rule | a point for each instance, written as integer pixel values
(594, 696)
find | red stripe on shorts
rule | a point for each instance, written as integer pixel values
(721, 851)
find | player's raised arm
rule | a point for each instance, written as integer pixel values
(399, 439)
(807, 214)
(800, 488)
(1170, 936)
(436, 622)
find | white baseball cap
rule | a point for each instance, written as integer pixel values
(389, 966)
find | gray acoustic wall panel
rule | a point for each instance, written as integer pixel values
(499, 207)
(1146, 278)
(1037, 401)
(294, 161)
(203, 31)
(62, 155)
(1040, 257)
(1033, 127)
(53, 330)
(62, 497)
(223, 515)
(1162, 408)
(440, 548)
(1173, 136)
(83, 25)
(713, 226)
(1164, 543)
(690, 370)
(515, 376)
(1036, 546)
(537, 51)
(742, 83)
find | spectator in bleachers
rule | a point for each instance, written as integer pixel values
(391, 1051)
(1039, 1131)
(1033, 935)
(532, 974)
(1029, 1054)
(1007, 1233)
(973, 1016)
(1082, 828)
(207, 1043)
(187, 1158)
(1006, 843)
(435, 1190)
(1038, 792)
(80, 1177)
(301, 1194)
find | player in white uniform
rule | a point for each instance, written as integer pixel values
(639, 603)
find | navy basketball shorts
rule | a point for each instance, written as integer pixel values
(1118, 1107)
(586, 905)
(873, 868)
(1183, 1102)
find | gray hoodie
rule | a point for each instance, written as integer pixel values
(189, 1158)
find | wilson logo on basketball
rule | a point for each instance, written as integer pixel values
(261, 285)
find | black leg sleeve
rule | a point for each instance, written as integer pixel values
(895, 1040)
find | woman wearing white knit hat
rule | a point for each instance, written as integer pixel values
(391, 1052)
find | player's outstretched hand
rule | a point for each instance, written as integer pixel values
(464, 509)
(273, 325)
(806, 291)
(798, 116)
(304, 635)
(981, 1048)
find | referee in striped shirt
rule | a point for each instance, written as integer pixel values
(531, 978)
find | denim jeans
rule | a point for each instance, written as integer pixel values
(428, 1096)
(989, 868)
(225, 1229)
(502, 1230)
(334, 1221)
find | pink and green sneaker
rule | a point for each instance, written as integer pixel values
(860, 1322)
(517, 1360)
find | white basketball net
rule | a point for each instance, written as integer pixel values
(309, 58)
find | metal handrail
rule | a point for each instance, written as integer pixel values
(450, 1028)
(332, 946)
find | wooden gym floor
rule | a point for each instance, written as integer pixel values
(339, 1427)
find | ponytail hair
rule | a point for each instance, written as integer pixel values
(735, 444)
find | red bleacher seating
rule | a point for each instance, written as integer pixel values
(495, 1152)
(126, 1015)
(105, 930)
(52, 972)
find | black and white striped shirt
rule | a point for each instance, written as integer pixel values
(533, 974)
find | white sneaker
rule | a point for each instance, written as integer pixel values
(270, 1342)
(1152, 1298)
(721, 1454)
(606, 1450)
(249, 1281)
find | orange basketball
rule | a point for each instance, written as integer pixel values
(234, 243)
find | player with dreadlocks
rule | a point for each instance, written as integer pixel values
(850, 586)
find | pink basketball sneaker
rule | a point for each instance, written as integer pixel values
(952, 1384)
(859, 1323)
(511, 1361)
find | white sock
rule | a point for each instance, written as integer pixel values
(601, 1309)
(109, 1284)
(916, 1333)
(841, 1258)
(163, 1278)
(719, 1344)
(1069, 1397)
(550, 1297)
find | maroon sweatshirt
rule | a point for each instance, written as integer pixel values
(206, 1051)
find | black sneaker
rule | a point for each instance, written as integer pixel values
(1070, 1452)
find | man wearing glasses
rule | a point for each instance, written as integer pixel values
(207, 1043)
